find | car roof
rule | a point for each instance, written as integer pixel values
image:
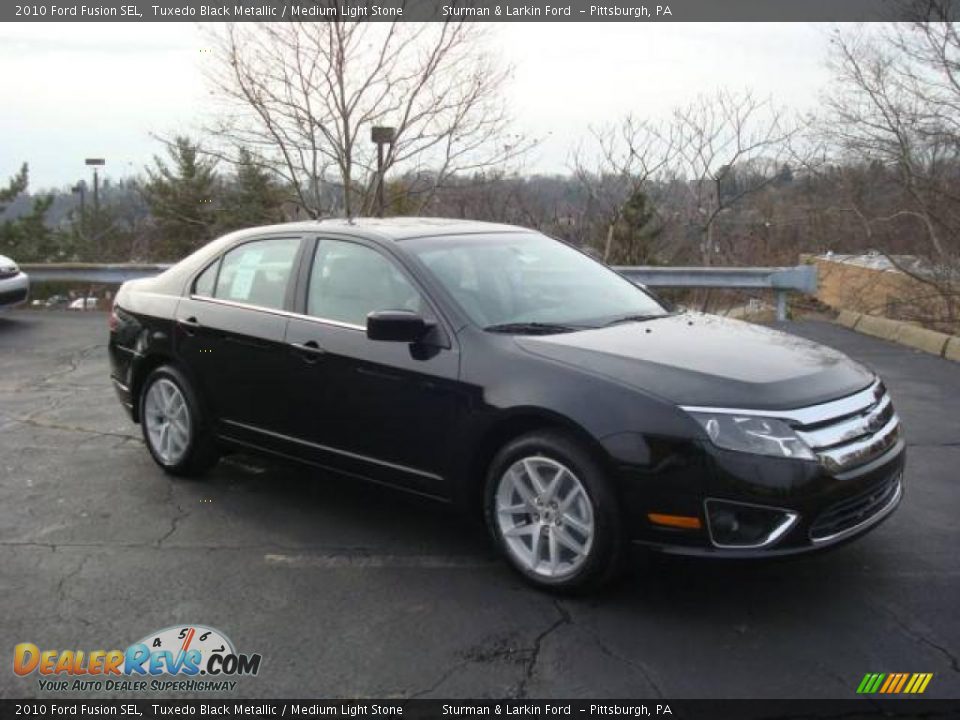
(392, 228)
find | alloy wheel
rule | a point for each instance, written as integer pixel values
(167, 417)
(545, 517)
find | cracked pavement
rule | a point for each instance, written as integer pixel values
(349, 590)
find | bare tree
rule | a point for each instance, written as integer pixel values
(627, 158)
(729, 146)
(304, 96)
(896, 103)
(706, 158)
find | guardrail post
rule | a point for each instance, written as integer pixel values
(781, 305)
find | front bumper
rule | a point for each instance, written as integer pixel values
(741, 504)
(14, 290)
(829, 509)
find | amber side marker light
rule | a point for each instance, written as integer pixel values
(678, 521)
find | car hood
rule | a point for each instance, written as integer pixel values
(707, 360)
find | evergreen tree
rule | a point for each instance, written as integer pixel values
(251, 197)
(100, 237)
(180, 195)
(28, 238)
(16, 185)
(635, 233)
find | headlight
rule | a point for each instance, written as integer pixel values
(760, 435)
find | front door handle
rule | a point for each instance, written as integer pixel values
(309, 351)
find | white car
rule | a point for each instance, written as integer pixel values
(14, 284)
(84, 303)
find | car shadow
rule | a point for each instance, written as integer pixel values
(323, 512)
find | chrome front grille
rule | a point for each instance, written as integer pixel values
(851, 431)
(855, 512)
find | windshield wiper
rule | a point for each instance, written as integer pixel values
(531, 328)
(633, 318)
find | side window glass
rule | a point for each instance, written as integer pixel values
(257, 273)
(203, 285)
(348, 281)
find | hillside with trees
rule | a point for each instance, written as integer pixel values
(727, 178)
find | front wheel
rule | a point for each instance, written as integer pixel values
(550, 509)
(173, 426)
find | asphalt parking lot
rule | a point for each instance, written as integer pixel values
(353, 591)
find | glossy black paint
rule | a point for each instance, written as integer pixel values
(427, 416)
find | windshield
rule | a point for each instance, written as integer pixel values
(509, 279)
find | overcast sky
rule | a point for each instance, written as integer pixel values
(71, 91)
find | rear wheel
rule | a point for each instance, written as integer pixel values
(173, 425)
(551, 511)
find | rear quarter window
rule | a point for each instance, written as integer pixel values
(257, 273)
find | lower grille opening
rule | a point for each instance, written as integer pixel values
(855, 510)
(12, 296)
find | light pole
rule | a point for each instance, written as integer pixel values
(81, 190)
(96, 163)
(381, 135)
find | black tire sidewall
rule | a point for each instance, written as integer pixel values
(187, 463)
(605, 552)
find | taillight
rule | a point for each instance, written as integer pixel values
(114, 320)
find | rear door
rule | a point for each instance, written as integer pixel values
(384, 410)
(237, 336)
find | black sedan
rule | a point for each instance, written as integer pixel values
(495, 368)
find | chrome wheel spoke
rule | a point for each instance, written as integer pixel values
(534, 474)
(576, 523)
(550, 492)
(515, 509)
(569, 498)
(522, 530)
(565, 539)
(554, 553)
(519, 484)
(165, 442)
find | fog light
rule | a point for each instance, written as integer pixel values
(741, 525)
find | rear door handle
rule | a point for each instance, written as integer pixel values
(310, 350)
(190, 325)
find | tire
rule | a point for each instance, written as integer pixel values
(573, 507)
(186, 448)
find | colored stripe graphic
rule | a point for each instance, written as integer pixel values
(903, 680)
(912, 683)
(894, 683)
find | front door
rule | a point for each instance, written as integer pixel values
(383, 410)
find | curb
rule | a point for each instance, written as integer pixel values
(903, 333)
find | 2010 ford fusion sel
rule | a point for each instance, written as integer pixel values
(506, 372)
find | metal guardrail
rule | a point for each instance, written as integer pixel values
(110, 274)
(781, 280)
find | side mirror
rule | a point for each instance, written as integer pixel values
(396, 326)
